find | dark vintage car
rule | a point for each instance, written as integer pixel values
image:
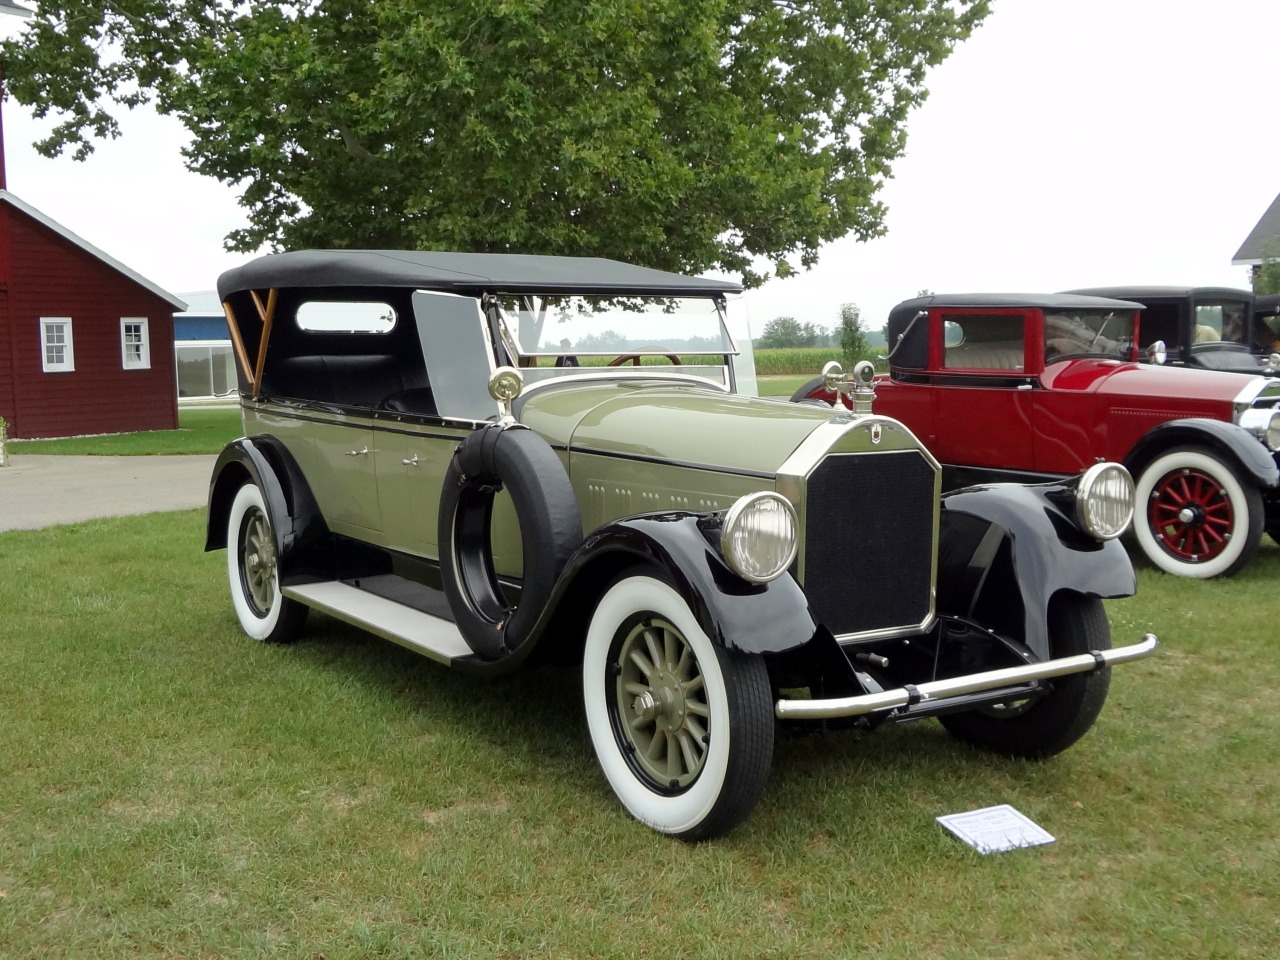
(1032, 387)
(1216, 328)
(507, 461)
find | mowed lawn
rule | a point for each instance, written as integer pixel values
(171, 789)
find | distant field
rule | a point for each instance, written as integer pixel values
(173, 789)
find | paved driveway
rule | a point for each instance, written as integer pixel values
(40, 491)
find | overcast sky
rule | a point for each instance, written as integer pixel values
(1068, 143)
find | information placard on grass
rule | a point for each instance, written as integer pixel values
(995, 829)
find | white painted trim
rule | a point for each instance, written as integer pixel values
(69, 364)
(144, 361)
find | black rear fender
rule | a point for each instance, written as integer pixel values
(295, 517)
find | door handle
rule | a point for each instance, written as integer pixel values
(358, 453)
(411, 462)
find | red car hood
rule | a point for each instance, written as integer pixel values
(1089, 375)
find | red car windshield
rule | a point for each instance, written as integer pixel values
(1088, 333)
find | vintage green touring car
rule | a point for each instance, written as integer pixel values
(506, 461)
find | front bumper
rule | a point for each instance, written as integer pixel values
(937, 692)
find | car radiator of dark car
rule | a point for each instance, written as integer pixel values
(869, 555)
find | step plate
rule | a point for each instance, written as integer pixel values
(421, 632)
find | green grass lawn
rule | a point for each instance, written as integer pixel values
(200, 430)
(173, 789)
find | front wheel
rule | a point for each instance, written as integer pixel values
(682, 728)
(1193, 517)
(1047, 723)
(252, 571)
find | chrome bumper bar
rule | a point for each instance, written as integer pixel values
(936, 690)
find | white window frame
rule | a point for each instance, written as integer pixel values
(68, 362)
(143, 361)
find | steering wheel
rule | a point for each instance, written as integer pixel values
(634, 359)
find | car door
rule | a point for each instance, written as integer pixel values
(415, 446)
(980, 363)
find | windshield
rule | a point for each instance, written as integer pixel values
(613, 326)
(571, 335)
(1088, 333)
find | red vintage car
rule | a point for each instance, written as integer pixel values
(1026, 387)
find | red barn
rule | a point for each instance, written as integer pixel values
(86, 344)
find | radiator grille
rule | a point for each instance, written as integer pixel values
(868, 541)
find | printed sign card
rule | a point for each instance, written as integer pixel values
(995, 829)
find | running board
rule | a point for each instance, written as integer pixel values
(420, 632)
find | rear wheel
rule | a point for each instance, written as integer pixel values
(683, 729)
(253, 572)
(1047, 723)
(1194, 517)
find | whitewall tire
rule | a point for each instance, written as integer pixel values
(683, 729)
(1193, 517)
(253, 573)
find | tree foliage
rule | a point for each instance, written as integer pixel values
(853, 339)
(1266, 276)
(785, 332)
(681, 134)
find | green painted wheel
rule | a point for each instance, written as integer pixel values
(258, 561)
(660, 698)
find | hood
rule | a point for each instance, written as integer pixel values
(672, 423)
(1145, 380)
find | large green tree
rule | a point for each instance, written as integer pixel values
(682, 134)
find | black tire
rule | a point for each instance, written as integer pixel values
(1221, 527)
(1040, 727)
(521, 462)
(253, 572)
(693, 759)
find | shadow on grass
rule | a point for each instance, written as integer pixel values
(532, 724)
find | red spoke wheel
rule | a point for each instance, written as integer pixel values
(1194, 516)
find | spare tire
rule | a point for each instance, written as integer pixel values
(516, 459)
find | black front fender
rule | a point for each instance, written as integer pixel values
(1006, 549)
(680, 547)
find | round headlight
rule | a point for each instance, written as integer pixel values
(1264, 424)
(1104, 500)
(759, 536)
(1272, 436)
(1157, 352)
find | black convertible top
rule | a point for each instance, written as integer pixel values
(1043, 301)
(1145, 293)
(466, 273)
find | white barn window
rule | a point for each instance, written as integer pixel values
(135, 343)
(57, 353)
